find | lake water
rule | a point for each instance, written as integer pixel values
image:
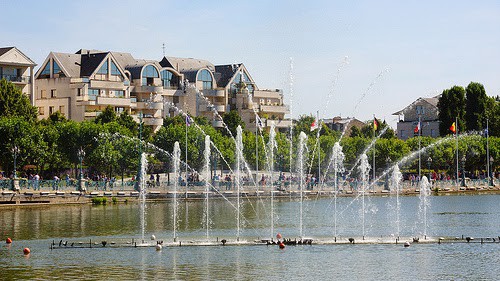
(37, 227)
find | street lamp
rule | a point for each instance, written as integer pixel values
(491, 171)
(463, 171)
(81, 155)
(429, 163)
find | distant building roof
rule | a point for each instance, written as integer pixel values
(432, 101)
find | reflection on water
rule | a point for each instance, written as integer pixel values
(36, 227)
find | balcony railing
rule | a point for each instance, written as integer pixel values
(14, 78)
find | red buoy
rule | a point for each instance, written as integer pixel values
(26, 251)
(282, 245)
(8, 241)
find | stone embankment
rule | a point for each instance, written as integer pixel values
(30, 197)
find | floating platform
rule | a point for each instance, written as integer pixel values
(139, 243)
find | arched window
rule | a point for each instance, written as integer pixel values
(169, 80)
(206, 78)
(148, 74)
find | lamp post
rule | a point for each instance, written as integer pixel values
(463, 171)
(81, 155)
(429, 163)
(491, 171)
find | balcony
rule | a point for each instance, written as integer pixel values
(113, 101)
(276, 94)
(207, 108)
(279, 123)
(151, 121)
(16, 79)
(148, 89)
(150, 105)
(101, 84)
(213, 93)
(274, 108)
(92, 114)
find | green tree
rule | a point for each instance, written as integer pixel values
(451, 105)
(476, 104)
(108, 115)
(232, 120)
(14, 103)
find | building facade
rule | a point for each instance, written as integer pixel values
(424, 109)
(83, 84)
(18, 68)
(340, 124)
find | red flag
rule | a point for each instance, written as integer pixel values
(453, 128)
(417, 128)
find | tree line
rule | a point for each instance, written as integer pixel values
(50, 147)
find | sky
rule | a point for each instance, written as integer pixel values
(341, 58)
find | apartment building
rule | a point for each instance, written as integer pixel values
(83, 84)
(18, 68)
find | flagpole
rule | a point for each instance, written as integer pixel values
(187, 118)
(487, 152)
(319, 148)
(374, 145)
(456, 144)
(419, 159)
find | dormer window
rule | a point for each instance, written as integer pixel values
(148, 74)
(169, 80)
(205, 77)
(420, 110)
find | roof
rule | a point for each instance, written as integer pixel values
(227, 72)
(431, 101)
(89, 63)
(10, 55)
(69, 62)
(5, 50)
(188, 66)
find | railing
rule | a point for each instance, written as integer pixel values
(14, 78)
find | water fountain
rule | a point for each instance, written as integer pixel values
(271, 146)
(239, 157)
(300, 166)
(338, 168)
(206, 173)
(425, 191)
(364, 169)
(176, 161)
(142, 192)
(395, 187)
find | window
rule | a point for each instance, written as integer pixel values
(169, 80)
(114, 69)
(79, 92)
(237, 79)
(61, 109)
(43, 94)
(119, 93)
(41, 110)
(53, 93)
(93, 93)
(46, 71)
(420, 110)
(175, 100)
(119, 109)
(206, 78)
(148, 74)
(51, 110)
(402, 134)
(56, 69)
(104, 68)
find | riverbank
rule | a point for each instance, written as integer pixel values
(30, 197)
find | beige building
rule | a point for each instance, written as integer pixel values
(17, 68)
(340, 124)
(82, 85)
(424, 108)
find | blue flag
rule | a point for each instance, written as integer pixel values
(188, 121)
